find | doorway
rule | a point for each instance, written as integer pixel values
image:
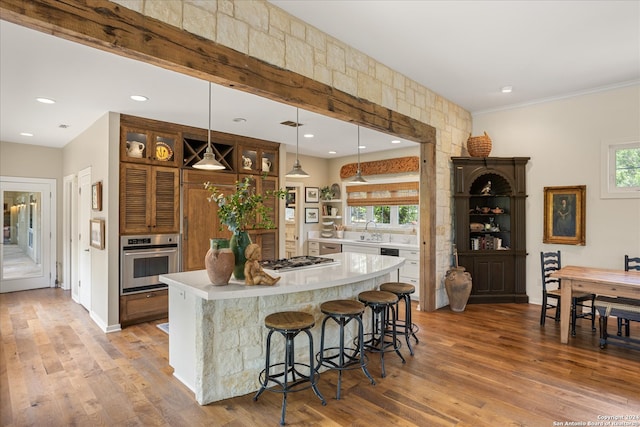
(28, 256)
(84, 252)
(293, 223)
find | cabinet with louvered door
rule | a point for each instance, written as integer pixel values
(149, 199)
(266, 238)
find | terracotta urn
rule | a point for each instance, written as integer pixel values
(457, 283)
(219, 262)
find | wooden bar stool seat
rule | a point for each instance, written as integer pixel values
(286, 377)
(343, 358)
(381, 303)
(406, 326)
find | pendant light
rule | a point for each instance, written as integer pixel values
(209, 161)
(297, 171)
(358, 177)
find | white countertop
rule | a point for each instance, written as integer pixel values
(349, 268)
(356, 242)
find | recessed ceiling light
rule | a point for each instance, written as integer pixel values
(507, 89)
(46, 100)
(396, 141)
(139, 98)
(362, 147)
(308, 135)
(332, 152)
(239, 120)
(26, 134)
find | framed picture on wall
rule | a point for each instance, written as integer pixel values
(311, 215)
(96, 196)
(96, 233)
(564, 215)
(311, 194)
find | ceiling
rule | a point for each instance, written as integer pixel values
(463, 50)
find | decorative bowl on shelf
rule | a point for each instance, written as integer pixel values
(485, 209)
(497, 210)
(476, 227)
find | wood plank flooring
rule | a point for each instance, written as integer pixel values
(491, 365)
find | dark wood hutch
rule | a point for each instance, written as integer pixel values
(489, 205)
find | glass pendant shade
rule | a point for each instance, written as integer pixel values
(297, 171)
(358, 177)
(209, 161)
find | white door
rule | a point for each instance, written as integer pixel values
(27, 258)
(84, 251)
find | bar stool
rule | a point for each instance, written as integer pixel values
(403, 291)
(287, 378)
(343, 358)
(380, 303)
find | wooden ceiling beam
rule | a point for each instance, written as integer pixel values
(110, 27)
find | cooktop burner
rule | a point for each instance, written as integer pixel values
(295, 263)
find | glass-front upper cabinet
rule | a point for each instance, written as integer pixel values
(145, 146)
(258, 160)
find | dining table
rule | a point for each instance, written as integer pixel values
(599, 281)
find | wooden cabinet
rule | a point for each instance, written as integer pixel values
(149, 199)
(489, 203)
(199, 217)
(258, 159)
(266, 238)
(140, 145)
(143, 307)
(313, 248)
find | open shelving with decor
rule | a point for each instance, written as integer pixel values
(490, 195)
(330, 214)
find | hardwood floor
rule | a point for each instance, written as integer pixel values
(491, 365)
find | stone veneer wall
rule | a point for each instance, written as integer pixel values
(262, 30)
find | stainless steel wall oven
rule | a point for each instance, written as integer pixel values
(144, 258)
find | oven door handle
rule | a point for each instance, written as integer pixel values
(155, 252)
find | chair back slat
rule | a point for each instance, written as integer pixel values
(631, 263)
(549, 262)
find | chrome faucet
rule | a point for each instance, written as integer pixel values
(366, 228)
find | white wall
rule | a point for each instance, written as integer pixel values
(563, 139)
(97, 147)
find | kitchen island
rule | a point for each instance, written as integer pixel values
(216, 335)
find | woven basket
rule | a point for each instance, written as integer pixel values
(479, 146)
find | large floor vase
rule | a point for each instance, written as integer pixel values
(458, 285)
(238, 243)
(219, 262)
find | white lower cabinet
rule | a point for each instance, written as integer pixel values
(410, 271)
(182, 336)
(313, 249)
(374, 250)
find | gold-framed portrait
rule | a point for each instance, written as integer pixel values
(564, 215)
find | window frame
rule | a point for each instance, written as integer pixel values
(394, 209)
(608, 188)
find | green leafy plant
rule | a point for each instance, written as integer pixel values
(326, 193)
(244, 208)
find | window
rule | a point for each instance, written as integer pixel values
(620, 169)
(392, 205)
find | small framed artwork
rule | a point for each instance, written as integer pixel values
(311, 215)
(96, 196)
(311, 194)
(96, 233)
(564, 215)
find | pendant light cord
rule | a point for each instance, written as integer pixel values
(297, 132)
(209, 128)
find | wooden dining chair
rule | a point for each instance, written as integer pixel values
(549, 263)
(630, 264)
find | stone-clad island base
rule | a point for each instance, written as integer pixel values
(216, 344)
